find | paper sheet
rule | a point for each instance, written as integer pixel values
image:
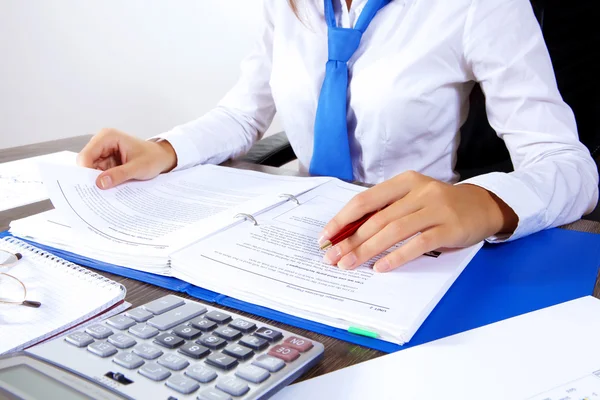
(21, 183)
(167, 210)
(550, 354)
(281, 257)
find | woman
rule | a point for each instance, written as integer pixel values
(384, 99)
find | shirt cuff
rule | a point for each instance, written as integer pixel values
(185, 149)
(520, 198)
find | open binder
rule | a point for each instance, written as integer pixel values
(502, 281)
(222, 253)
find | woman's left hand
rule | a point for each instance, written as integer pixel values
(445, 215)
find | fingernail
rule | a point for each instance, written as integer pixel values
(105, 182)
(323, 237)
(382, 265)
(332, 255)
(348, 261)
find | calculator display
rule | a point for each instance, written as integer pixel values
(32, 383)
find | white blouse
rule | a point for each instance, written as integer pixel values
(408, 96)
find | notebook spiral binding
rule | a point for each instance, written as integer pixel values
(250, 217)
(52, 260)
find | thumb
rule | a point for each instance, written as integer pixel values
(117, 175)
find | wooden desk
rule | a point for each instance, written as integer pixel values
(338, 354)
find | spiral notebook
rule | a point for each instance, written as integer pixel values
(69, 295)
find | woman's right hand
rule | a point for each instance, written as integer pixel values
(123, 157)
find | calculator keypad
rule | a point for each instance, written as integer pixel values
(188, 349)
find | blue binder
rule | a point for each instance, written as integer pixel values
(502, 281)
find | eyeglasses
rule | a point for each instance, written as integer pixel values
(12, 290)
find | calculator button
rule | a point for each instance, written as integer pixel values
(154, 371)
(182, 385)
(254, 342)
(203, 324)
(173, 362)
(79, 339)
(168, 340)
(269, 334)
(227, 333)
(122, 341)
(221, 360)
(252, 373)
(186, 332)
(148, 352)
(212, 342)
(120, 322)
(194, 350)
(233, 386)
(99, 331)
(163, 304)
(302, 345)
(201, 373)
(218, 317)
(139, 314)
(177, 316)
(269, 363)
(285, 353)
(143, 331)
(238, 351)
(213, 394)
(242, 325)
(102, 349)
(128, 360)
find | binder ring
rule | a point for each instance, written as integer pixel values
(290, 197)
(247, 217)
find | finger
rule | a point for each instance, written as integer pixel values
(372, 199)
(431, 239)
(395, 232)
(100, 146)
(106, 163)
(372, 227)
(117, 175)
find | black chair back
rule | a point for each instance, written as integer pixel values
(573, 40)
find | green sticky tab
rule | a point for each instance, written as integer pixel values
(363, 332)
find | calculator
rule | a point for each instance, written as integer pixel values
(170, 348)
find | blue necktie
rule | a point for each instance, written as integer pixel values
(331, 150)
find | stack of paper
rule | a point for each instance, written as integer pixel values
(244, 234)
(278, 264)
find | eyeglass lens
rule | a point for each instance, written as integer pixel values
(7, 258)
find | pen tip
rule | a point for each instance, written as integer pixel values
(325, 245)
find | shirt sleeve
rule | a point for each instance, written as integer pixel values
(240, 118)
(555, 180)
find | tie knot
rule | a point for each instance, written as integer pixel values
(342, 43)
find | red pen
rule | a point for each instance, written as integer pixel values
(347, 231)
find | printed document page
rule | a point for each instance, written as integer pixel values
(21, 183)
(279, 262)
(156, 213)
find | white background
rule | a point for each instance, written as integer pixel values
(72, 67)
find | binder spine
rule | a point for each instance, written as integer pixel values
(53, 261)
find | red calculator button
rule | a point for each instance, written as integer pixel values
(301, 345)
(284, 353)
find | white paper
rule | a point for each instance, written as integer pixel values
(168, 210)
(550, 354)
(21, 183)
(279, 264)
